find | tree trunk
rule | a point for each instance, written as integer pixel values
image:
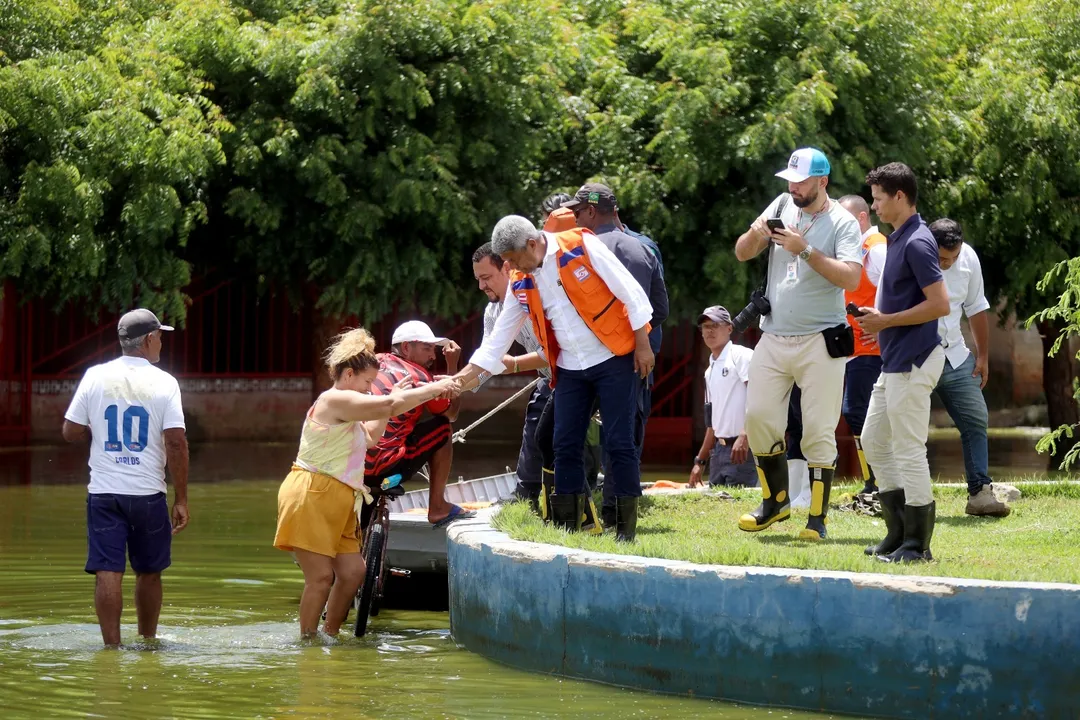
(324, 328)
(1058, 376)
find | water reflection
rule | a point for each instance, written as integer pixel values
(229, 644)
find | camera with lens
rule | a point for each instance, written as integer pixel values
(759, 305)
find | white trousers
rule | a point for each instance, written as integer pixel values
(778, 363)
(897, 423)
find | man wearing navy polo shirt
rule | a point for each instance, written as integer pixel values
(911, 297)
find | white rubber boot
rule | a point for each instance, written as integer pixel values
(799, 483)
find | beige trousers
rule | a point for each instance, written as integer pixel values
(897, 423)
(778, 363)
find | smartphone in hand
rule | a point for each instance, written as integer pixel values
(853, 309)
(774, 224)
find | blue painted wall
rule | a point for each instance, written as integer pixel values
(887, 646)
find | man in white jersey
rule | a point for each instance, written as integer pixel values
(129, 412)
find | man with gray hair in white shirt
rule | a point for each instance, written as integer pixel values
(592, 319)
(965, 373)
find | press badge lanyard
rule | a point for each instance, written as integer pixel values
(793, 266)
(814, 218)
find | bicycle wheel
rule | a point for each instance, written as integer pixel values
(373, 558)
(380, 589)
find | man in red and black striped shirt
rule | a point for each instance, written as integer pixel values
(409, 442)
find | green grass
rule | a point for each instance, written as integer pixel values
(1039, 541)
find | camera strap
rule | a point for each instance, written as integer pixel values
(780, 206)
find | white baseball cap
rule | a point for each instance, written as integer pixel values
(416, 331)
(805, 163)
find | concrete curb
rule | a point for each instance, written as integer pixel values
(865, 644)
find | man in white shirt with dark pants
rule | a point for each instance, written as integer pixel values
(592, 319)
(965, 374)
(130, 414)
(725, 449)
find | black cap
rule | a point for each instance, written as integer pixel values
(137, 323)
(596, 194)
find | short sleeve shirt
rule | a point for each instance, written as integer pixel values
(128, 404)
(804, 302)
(725, 388)
(391, 446)
(911, 264)
(964, 282)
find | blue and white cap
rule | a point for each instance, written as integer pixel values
(805, 163)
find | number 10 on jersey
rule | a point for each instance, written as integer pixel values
(134, 444)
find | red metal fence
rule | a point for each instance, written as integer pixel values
(234, 331)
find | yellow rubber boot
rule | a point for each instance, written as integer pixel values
(775, 504)
(820, 486)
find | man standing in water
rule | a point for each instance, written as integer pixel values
(129, 412)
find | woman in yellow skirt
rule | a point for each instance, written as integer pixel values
(316, 516)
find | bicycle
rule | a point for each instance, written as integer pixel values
(376, 537)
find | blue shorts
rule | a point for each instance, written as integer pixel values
(138, 524)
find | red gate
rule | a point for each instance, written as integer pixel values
(14, 370)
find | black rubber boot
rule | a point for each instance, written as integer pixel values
(607, 516)
(892, 511)
(529, 492)
(821, 479)
(567, 511)
(869, 482)
(918, 529)
(547, 486)
(626, 519)
(870, 486)
(775, 504)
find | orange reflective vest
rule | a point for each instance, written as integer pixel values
(603, 313)
(864, 296)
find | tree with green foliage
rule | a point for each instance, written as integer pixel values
(104, 159)
(1061, 442)
(1015, 180)
(688, 107)
(353, 153)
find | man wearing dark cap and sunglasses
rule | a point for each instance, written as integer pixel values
(129, 413)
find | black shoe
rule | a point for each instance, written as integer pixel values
(821, 479)
(775, 504)
(567, 511)
(547, 486)
(918, 529)
(529, 492)
(892, 511)
(626, 519)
